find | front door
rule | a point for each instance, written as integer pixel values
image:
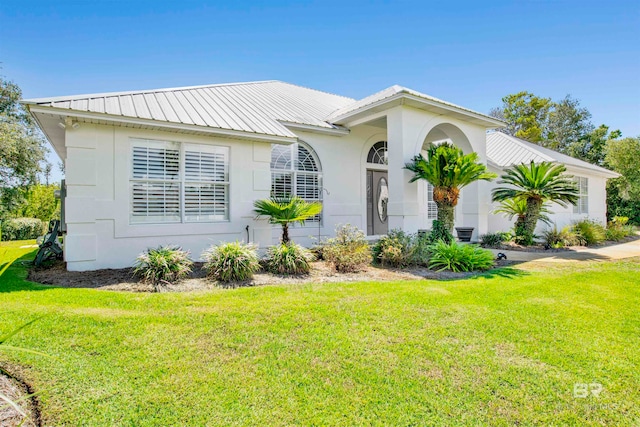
(377, 201)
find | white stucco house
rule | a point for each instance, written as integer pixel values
(184, 165)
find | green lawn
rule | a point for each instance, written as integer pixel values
(503, 349)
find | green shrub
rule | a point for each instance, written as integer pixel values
(459, 257)
(231, 262)
(440, 232)
(349, 251)
(288, 258)
(421, 249)
(619, 220)
(617, 229)
(22, 229)
(394, 249)
(589, 232)
(555, 238)
(493, 239)
(523, 236)
(616, 233)
(163, 265)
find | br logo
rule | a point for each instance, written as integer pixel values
(583, 390)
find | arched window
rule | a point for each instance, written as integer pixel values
(296, 171)
(378, 153)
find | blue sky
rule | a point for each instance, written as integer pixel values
(470, 53)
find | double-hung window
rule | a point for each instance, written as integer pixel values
(174, 182)
(582, 207)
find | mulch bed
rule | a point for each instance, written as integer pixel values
(321, 272)
(16, 391)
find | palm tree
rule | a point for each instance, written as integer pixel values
(536, 184)
(448, 169)
(517, 208)
(286, 210)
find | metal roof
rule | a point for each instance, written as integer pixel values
(506, 150)
(253, 107)
(397, 91)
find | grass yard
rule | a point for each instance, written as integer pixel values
(504, 349)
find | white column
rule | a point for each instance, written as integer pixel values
(403, 209)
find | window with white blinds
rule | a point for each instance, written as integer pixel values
(582, 207)
(173, 182)
(295, 171)
(432, 208)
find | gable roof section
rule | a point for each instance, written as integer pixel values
(400, 93)
(253, 107)
(506, 150)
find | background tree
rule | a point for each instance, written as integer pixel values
(448, 169)
(285, 211)
(39, 202)
(623, 194)
(536, 184)
(526, 115)
(22, 148)
(568, 124)
(592, 147)
(564, 126)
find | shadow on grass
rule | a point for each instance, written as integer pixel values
(503, 272)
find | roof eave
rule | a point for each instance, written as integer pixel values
(488, 122)
(35, 108)
(333, 130)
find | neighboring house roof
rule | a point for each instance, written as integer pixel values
(505, 150)
(254, 107)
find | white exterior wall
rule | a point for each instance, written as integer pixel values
(561, 216)
(98, 188)
(98, 197)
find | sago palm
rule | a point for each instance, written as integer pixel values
(285, 211)
(536, 184)
(517, 208)
(448, 169)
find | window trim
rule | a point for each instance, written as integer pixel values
(181, 181)
(583, 195)
(294, 172)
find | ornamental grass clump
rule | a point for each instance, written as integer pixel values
(618, 229)
(589, 232)
(459, 258)
(288, 258)
(231, 262)
(556, 239)
(349, 251)
(493, 239)
(163, 265)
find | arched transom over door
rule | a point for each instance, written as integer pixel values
(377, 189)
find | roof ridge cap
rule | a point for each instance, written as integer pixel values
(136, 92)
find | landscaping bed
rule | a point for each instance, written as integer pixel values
(321, 272)
(16, 392)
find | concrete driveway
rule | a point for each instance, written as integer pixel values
(619, 251)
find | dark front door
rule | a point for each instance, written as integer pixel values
(377, 200)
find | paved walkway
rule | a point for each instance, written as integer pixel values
(613, 252)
